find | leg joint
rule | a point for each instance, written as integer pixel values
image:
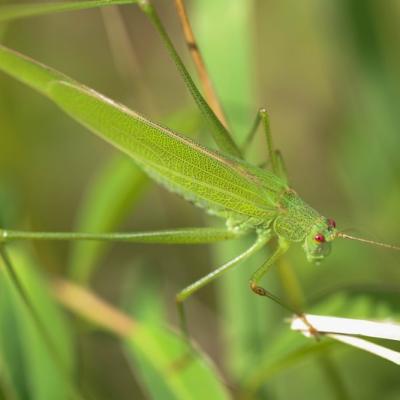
(257, 289)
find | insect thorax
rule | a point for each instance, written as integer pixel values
(296, 218)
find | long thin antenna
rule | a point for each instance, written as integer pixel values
(388, 246)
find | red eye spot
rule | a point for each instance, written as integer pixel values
(331, 223)
(319, 238)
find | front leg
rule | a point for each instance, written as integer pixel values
(262, 271)
(283, 246)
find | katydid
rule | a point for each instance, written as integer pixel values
(252, 200)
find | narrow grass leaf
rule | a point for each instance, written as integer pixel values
(232, 70)
(182, 373)
(33, 368)
(187, 373)
(140, 294)
(11, 12)
(141, 298)
(165, 356)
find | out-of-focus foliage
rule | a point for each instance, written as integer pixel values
(328, 73)
(36, 365)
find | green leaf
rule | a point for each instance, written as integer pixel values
(36, 369)
(17, 11)
(110, 197)
(170, 369)
(140, 296)
(193, 375)
(173, 370)
(232, 69)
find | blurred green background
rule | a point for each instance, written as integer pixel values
(328, 73)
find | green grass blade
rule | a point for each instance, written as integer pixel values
(33, 369)
(17, 11)
(233, 68)
(159, 350)
(194, 379)
(165, 357)
(109, 198)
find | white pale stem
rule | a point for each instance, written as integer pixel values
(342, 329)
(348, 326)
(365, 345)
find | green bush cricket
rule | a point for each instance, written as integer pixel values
(250, 199)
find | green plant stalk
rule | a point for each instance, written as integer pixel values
(17, 11)
(43, 329)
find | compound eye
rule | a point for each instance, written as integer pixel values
(331, 223)
(319, 237)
